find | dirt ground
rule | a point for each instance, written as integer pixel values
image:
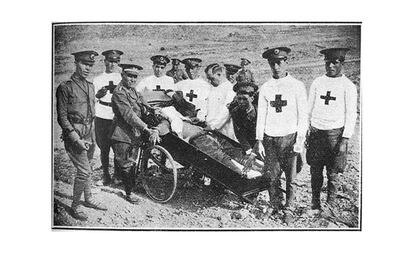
(200, 206)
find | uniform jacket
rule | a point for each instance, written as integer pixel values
(128, 112)
(75, 102)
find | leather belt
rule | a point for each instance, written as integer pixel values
(77, 120)
(105, 103)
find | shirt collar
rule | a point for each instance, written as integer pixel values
(77, 77)
(283, 78)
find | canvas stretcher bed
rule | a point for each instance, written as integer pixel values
(158, 167)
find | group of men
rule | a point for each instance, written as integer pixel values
(275, 122)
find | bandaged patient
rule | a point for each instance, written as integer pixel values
(189, 128)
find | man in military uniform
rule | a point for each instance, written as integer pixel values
(244, 75)
(281, 125)
(75, 101)
(195, 90)
(105, 84)
(176, 73)
(129, 127)
(333, 113)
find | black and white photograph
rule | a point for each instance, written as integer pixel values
(206, 126)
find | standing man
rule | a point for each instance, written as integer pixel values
(155, 86)
(129, 127)
(281, 125)
(221, 94)
(75, 101)
(195, 90)
(333, 113)
(158, 90)
(244, 75)
(105, 84)
(176, 73)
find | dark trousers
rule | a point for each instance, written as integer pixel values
(323, 146)
(125, 155)
(103, 128)
(279, 158)
(218, 148)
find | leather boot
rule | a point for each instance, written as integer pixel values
(332, 188)
(290, 198)
(129, 184)
(316, 185)
(89, 201)
(276, 197)
(78, 188)
(106, 176)
(316, 200)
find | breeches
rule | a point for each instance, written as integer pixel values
(125, 155)
(81, 160)
(323, 148)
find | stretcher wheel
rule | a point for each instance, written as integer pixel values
(158, 173)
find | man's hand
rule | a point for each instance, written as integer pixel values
(194, 120)
(84, 145)
(299, 145)
(260, 149)
(343, 146)
(208, 128)
(101, 93)
(154, 136)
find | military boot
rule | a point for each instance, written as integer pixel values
(89, 201)
(78, 188)
(106, 176)
(316, 185)
(290, 196)
(276, 198)
(131, 198)
(316, 197)
(332, 188)
(129, 182)
(316, 201)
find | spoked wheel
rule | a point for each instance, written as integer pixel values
(158, 173)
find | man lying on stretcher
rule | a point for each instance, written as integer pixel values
(182, 117)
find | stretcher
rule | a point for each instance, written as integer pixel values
(159, 166)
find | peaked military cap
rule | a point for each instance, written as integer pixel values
(244, 61)
(113, 55)
(231, 68)
(276, 53)
(131, 68)
(175, 61)
(337, 53)
(160, 59)
(85, 56)
(192, 62)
